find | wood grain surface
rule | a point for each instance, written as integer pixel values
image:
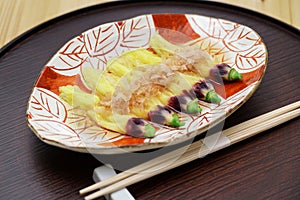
(17, 16)
(263, 167)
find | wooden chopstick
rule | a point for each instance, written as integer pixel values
(235, 134)
(172, 154)
(190, 156)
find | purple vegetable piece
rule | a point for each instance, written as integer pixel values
(139, 127)
(225, 72)
(179, 103)
(205, 91)
(160, 115)
(165, 116)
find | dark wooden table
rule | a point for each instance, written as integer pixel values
(263, 167)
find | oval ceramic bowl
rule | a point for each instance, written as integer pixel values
(57, 123)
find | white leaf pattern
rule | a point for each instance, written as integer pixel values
(211, 27)
(57, 132)
(44, 104)
(97, 135)
(241, 39)
(69, 57)
(135, 33)
(253, 58)
(102, 39)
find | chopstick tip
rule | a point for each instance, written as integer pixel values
(83, 191)
(89, 188)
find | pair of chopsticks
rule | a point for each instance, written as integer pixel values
(234, 134)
